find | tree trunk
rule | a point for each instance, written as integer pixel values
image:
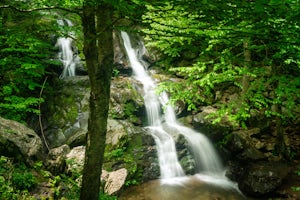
(247, 65)
(98, 50)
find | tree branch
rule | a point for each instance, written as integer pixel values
(40, 116)
(39, 9)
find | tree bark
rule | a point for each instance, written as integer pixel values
(98, 50)
(247, 61)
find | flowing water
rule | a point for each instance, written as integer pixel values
(66, 54)
(163, 128)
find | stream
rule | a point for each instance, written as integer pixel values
(209, 182)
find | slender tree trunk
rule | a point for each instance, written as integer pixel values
(247, 61)
(98, 50)
(281, 146)
(280, 142)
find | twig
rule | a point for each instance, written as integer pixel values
(40, 116)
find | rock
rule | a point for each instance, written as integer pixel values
(75, 160)
(204, 119)
(262, 178)
(56, 159)
(204, 124)
(114, 181)
(66, 111)
(120, 58)
(126, 102)
(19, 141)
(242, 146)
(185, 156)
(116, 129)
(78, 138)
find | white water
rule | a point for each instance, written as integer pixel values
(66, 54)
(207, 160)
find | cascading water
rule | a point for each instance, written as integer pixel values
(66, 54)
(210, 177)
(169, 165)
(206, 158)
(208, 166)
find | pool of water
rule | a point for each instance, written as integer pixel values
(198, 187)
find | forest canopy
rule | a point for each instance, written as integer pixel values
(247, 47)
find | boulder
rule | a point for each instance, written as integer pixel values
(262, 178)
(56, 159)
(243, 147)
(75, 159)
(116, 129)
(204, 124)
(19, 141)
(125, 101)
(67, 110)
(114, 181)
(66, 121)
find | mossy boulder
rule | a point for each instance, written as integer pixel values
(66, 112)
(19, 141)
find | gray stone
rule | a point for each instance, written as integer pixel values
(19, 141)
(56, 159)
(114, 181)
(263, 178)
(243, 146)
(116, 129)
(67, 115)
(75, 159)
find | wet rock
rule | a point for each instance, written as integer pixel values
(185, 157)
(19, 141)
(203, 123)
(126, 102)
(120, 58)
(263, 178)
(242, 146)
(68, 111)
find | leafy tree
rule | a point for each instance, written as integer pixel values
(97, 22)
(246, 47)
(24, 58)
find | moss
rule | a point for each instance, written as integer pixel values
(72, 114)
(126, 154)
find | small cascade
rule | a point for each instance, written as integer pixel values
(206, 158)
(66, 54)
(169, 165)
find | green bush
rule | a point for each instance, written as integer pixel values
(24, 181)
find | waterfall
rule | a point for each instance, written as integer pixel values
(207, 160)
(169, 165)
(66, 54)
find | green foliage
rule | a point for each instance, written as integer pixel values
(24, 57)
(27, 52)
(130, 110)
(15, 180)
(296, 188)
(126, 155)
(104, 196)
(252, 47)
(24, 181)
